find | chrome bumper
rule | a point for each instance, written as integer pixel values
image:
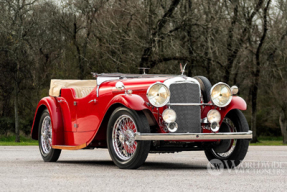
(191, 136)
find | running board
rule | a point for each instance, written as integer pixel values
(191, 136)
(69, 147)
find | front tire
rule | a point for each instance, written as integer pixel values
(125, 152)
(230, 152)
(45, 139)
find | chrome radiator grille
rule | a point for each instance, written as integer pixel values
(188, 117)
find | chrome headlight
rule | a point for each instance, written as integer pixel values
(221, 94)
(158, 94)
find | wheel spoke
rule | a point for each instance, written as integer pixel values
(230, 150)
(46, 136)
(123, 137)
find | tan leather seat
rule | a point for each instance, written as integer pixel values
(82, 91)
(81, 87)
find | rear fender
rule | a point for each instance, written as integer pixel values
(51, 104)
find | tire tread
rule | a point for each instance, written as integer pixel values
(143, 146)
(242, 145)
(54, 154)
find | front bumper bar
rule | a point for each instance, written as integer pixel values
(191, 136)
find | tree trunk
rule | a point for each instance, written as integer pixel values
(190, 67)
(283, 126)
(145, 58)
(17, 139)
(254, 91)
(231, 54)
(79, 56)
(233, 50)
(256, 74)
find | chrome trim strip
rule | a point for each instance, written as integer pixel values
(189, 104)
(181, 79)
(123, 75)
(191, 136)
(102, 79)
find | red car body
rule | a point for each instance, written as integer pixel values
(79, 123)
(89, 116)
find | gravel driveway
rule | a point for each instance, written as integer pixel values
(22, 169)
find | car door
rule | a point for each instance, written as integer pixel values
(87, 113)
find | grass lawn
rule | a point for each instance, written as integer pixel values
(26, 141)
(266, 140)
(10, 141)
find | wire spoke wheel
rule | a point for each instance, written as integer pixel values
(230, 151)
(123, 137)
(46, 136)
(125, 151)
(232, 143)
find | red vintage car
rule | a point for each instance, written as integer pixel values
(133, 115)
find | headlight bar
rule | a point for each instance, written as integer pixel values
(189, 104)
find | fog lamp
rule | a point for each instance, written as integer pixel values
(169, 116)
(214, 117)
(172, 127)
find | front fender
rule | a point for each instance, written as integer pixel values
(51, 104)
(131, 101)
(236, 103)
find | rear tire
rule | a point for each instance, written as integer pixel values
(125, 152)
(230, 152)
(45, 139)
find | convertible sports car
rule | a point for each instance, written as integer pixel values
(136, 114)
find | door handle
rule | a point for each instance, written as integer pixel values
(93, 101)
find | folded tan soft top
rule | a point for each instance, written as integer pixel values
(81, 87)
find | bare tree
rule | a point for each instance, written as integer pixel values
(239, 41)
(17, 28)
